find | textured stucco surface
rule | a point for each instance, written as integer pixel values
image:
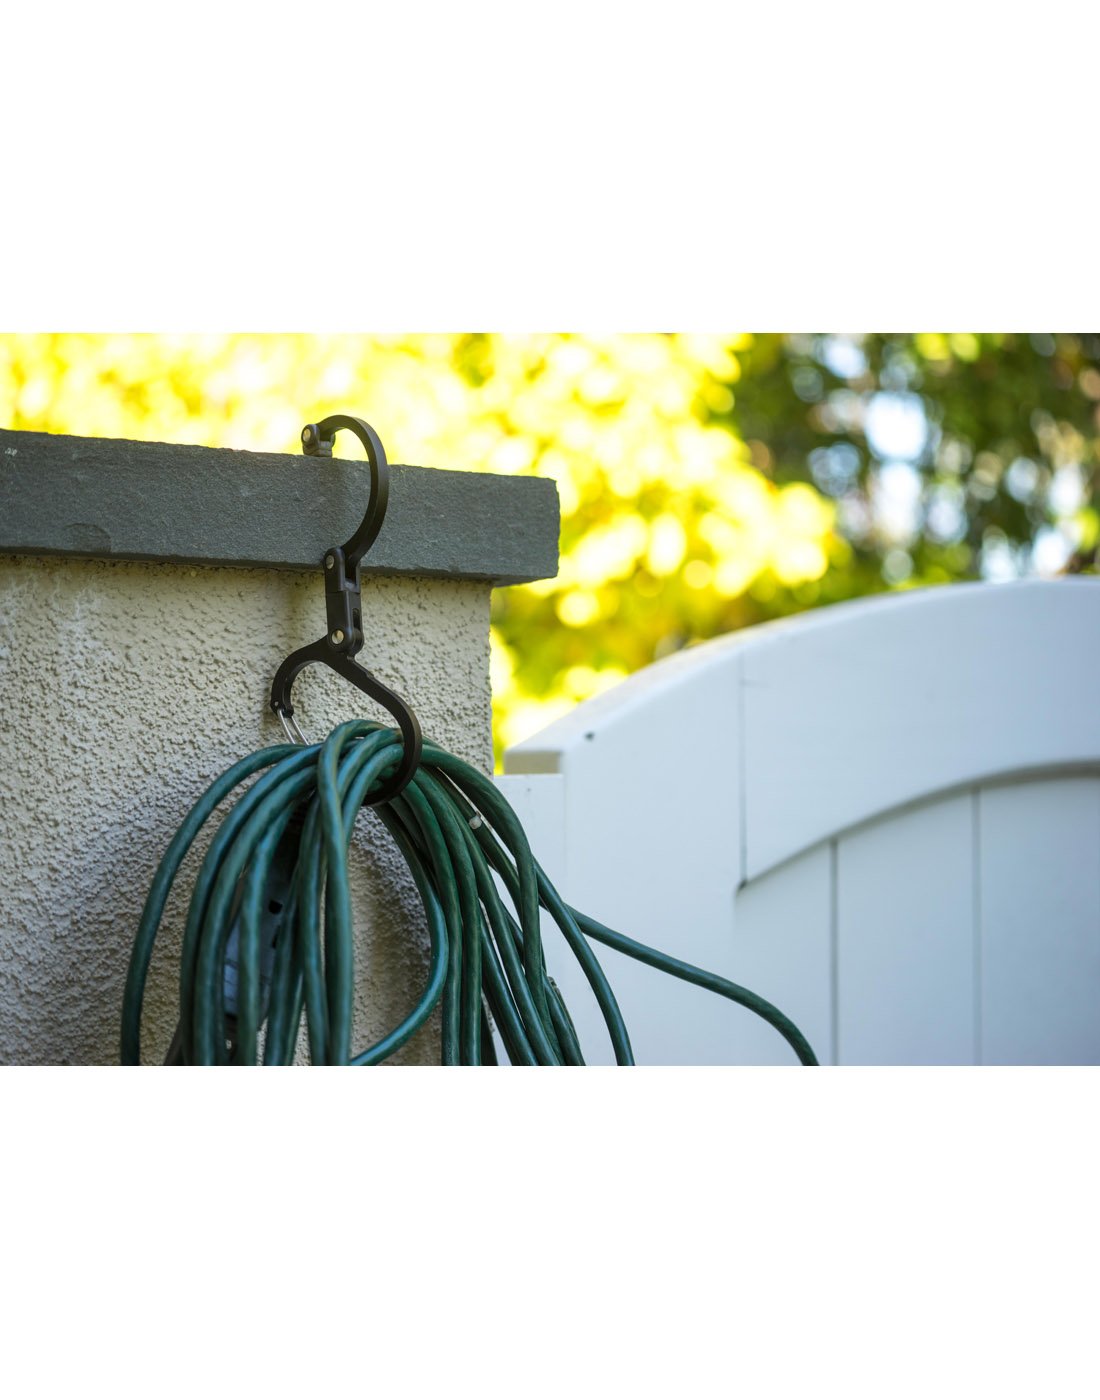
(124, 690)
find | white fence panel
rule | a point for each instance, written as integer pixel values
(841, 811)
(905, 938)
(783, 948)
(675, 851)
(1040, 922)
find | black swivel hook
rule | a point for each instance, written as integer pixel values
(343, 603)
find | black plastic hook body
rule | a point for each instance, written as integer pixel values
(343, 603)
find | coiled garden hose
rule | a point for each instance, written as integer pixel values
(269, 934)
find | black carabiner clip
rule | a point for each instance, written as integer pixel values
(343, 604)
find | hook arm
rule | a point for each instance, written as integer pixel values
(317, 441)
(340, 662)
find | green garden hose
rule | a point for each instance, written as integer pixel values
(269, 936)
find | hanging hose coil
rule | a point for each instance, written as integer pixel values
(252, 965)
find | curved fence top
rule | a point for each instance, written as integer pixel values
(815, 724)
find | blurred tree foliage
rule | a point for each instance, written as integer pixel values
(706, 482)
(923, 458)
(999, 433)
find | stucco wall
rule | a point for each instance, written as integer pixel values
(124, 690)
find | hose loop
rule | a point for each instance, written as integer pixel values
(269, 939)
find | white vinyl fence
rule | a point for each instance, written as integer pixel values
(883, 816)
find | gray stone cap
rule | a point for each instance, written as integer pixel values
(107, 498)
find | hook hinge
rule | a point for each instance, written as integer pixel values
(343, 603)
